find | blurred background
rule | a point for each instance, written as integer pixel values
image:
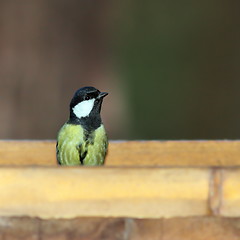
(172, 68)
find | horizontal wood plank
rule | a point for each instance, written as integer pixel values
(230, 189)
(24, 152)
(144, 179)
(66, 192)
(174, 153)
(89, 228)
(145, 192)
(131, 153)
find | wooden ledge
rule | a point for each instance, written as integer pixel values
(146, 179)
(131, 153)
(67, 192)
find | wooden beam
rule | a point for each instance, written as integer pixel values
(24, 152)
(66, 192)
(131, 153)
(69, 192)
(89, 228)
(174, 153)
(230, 193)
(144, 192)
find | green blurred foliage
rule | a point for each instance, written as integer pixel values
(180, 61)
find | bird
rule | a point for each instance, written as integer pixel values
(82, 140)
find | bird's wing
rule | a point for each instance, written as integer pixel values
(57, 154)
(68, 154)
(69, 145)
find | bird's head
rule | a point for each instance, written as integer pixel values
(86, 101)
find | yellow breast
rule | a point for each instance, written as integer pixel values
(72, 144)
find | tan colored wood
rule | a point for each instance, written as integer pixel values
(26, 152)
(215, 190)
(175, 153)
(131, 153)
(143, 191)
(66, 192)
(230, 201)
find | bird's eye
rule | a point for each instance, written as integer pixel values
(87, 98)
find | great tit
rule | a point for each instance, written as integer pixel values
(82, 140)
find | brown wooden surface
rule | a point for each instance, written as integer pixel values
(192, 228)
(131, 153)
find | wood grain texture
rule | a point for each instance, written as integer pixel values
(201, 228)
(230, 206)
(26, 152)
(197, 228)
(147, 229)
(131, 153)
(66, 192)
(148, 179)
(174, 153)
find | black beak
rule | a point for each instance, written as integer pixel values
(102, 95)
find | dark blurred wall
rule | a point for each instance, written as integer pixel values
(172, 67)
(49, 49)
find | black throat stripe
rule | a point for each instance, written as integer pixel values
(88, 123)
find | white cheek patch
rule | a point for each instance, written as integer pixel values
(84, 108)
